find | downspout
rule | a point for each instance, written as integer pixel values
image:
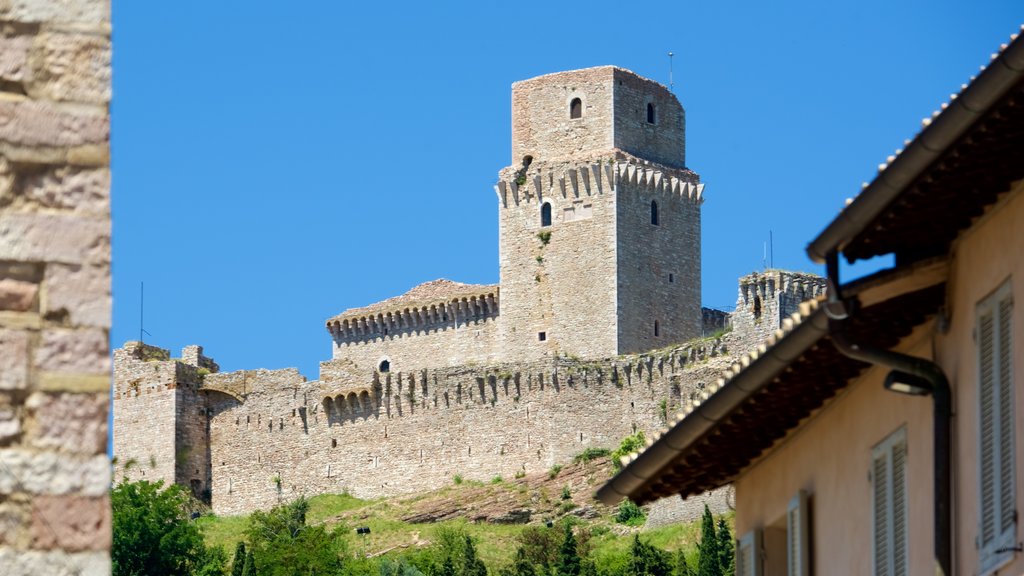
(839, 311)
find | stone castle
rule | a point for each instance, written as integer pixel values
(577, 347)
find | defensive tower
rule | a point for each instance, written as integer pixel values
(599, 219)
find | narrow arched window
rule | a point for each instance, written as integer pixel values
(385, 366)
(545, 214)
(654, 213)
(657, 331)
(576, 108)
(650, 113)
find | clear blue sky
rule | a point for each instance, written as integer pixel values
(277, 163)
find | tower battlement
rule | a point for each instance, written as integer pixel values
(578, 179)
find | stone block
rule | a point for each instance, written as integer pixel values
(14, 521)
(14, 52)
(17, 295)
(71, 422)
(82, 291)
(72, 523)
(54, 238)
(78, 383)
(51, 473)
(14, 345)
(10, 424)
(84, 190)
(81, 351)
(65, 11)
(33, 123)
(54, 563)
(71, 67)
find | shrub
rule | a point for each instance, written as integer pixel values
(630, 444)
(553, 473)
(544, 236)
(630, 514)
(591, 454)
(497, 479)
(566, 493)
(457, 479)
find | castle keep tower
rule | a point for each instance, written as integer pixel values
(599, 219)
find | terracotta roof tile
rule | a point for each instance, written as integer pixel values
(433, 292)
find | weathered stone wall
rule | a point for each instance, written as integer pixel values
(658, 264)
(767, 298)
(541, 126)
(166, 403)
(401, 432)
(613, 117)
(54, 286)
(464, 337)
(145, 427)
(663, 140)
(559, 279)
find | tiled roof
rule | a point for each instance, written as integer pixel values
(966, 154)
(759, 399)
(433, 292)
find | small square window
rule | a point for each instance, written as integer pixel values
(542, 336)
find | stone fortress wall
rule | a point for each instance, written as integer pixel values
(249, 439)
(274, 436)
(599, 256)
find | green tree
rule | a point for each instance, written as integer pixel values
(283, 545)
(682, 566)
(568, 557)
(521, 565)
(630, 444)
(238, 562)
(152, 533)
(708, 561)
(648, 560)
(726, 554)
(249, 568)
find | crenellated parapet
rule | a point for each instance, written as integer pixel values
(430, 306)
(592, 178)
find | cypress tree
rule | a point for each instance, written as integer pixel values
(682, 567)
(726, 554)
(250, 564)
(568, 556)
(708, 563)
(238, 564)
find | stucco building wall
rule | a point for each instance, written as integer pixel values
(984, 257)
(830, 457)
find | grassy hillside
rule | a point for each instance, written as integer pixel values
(494, 514)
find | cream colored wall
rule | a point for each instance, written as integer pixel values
(984, 257)
(830, 457)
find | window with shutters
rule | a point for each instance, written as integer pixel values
(748, 554)
(798, 552)
(997, 512)
(889, 487)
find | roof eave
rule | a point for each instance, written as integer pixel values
(1005, 71)
(716, 408)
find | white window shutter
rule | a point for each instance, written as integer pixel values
(997, 498)
(748, 554)
(889, 495)
(798, 536)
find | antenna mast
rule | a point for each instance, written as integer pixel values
(671, 85)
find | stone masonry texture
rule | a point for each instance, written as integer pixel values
(594, 332)
(55, 87)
